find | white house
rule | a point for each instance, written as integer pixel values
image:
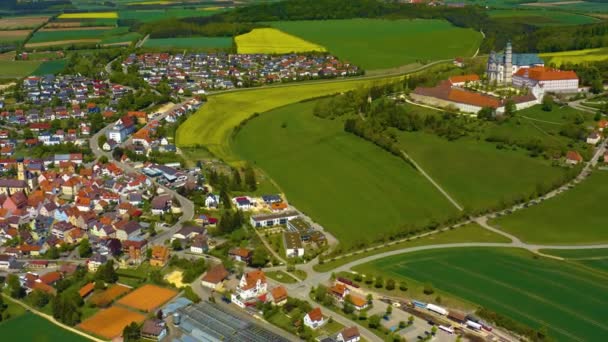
(349, 335)
(212, 201)
(594, 138)
(252, 286)
(243, 203)
(314, 318)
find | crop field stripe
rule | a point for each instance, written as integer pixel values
(583, 276)
(491, 284)
(525, 293)
(419, 274)
(530, 275)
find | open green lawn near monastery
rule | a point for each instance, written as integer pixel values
(213, 124)
(569, 300)
(353, 188)
(475, 173)
(29, 327)
(577, 216)
(382, 44)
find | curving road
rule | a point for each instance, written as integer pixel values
(187, 206)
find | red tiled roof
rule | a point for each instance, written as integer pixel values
(315, 314)
(574, 155)
(85, 290)
(216, 274)
(464, 78)
(546, 74)
(50, 278)
(279, 293)
(475, 99)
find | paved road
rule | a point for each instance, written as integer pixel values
(301, 291)
(578, 105)
(186, 205)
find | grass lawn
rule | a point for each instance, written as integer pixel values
(332, 175)
(468, 233)
(269, 40)
(535, 125)
(18, 69)
(569, 300)
(189, 43)
(542, 17)
(575, 56)
(475, 173)
(577, 216)
(381, 44)
(281, 277)
(213, 124)
(30, 327)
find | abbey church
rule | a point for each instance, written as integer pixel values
(502, 66)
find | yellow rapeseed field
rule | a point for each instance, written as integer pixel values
(89, 15)
(575, 56)
(269, 40)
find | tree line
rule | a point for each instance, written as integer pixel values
(526, 37)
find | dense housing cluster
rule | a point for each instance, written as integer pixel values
(197, 72)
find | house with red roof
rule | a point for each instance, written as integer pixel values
(573, 157)
(252, 288)
(314, 319)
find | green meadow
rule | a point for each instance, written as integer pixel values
(213, 124)
(542, 17)
(30, 327)
(147, 15)
(577, 216)
(189, 43)
(356, 190)
(382, 44)
(568, 300)
(18, 69)
(51, 36)
(475, 173)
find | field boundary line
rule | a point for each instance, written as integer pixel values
(539, 120)
(53, 320)
(426, 175)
